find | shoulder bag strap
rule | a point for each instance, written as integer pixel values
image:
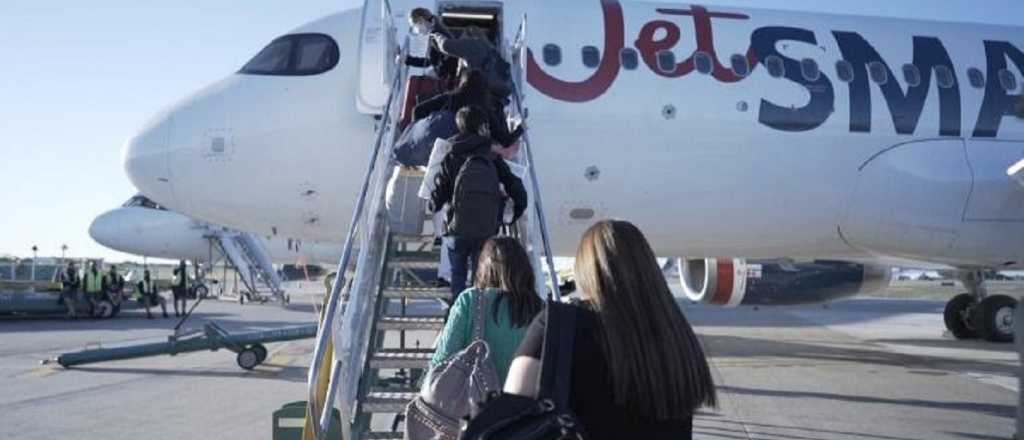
(479, 316)
(556, 364)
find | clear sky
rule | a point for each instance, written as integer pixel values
(78, 78)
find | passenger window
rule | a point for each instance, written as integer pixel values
(703, 62)
(1008, 80)
(878, 72)
(912, 75)
(776, 68)
(944, 76)
(844, 70)
(629, 58)
(552, 55)
(976, 78)
(295, 55)
(740, 66)
(809, 68)
(591, 56)
(666, 61)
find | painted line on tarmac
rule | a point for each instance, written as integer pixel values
(1005, 382)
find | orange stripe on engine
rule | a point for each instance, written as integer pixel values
(723, 288)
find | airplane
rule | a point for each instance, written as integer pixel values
(757, 146)
(143, 227)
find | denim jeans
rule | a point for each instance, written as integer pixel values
(463, 254)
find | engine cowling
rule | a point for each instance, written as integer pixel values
(733, 282)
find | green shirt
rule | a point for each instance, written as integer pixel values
(500, 335)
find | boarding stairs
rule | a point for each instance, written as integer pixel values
(251, 260)
(365, 363)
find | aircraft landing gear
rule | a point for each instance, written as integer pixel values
(976, 314)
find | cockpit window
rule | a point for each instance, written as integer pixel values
(140, 201)
(295, 55)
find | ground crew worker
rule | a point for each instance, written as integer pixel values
(180, 290)
(69, 285)
(145, 292)
(115, 285)
(93, 283)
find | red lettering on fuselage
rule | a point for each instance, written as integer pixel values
(602, 79)
(614, 41)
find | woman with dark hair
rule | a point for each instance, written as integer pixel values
(638, 370)
(472, 90)
(505, 282)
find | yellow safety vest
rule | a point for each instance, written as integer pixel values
(93, 282)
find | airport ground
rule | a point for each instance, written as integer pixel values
(875, 368)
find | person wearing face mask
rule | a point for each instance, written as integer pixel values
(469, 183)
(424, 22)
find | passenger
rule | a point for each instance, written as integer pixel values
(145, 292)
(505, 282)
(114, 286)
(468, 182)
(475, 52)
(94, 285)
(70, 283)
(638, 369)
(423, 22)
(180, 289)
(473, 91)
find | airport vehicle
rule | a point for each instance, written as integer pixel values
(769, 134)
(248, 346)
(143, 227)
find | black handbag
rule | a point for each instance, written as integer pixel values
(508, 416)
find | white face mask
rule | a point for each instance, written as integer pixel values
(420, 28)
(484, 131)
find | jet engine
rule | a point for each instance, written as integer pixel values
(732, 282)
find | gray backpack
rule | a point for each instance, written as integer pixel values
(476, 200)
(455, 386)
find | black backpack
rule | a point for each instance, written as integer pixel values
(498, 73)
(476, 200)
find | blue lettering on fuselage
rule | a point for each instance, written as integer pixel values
(905, 109)
(931, 64)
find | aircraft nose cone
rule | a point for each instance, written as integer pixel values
(106, 230)
(146, 156)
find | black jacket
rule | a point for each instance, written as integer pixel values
(464, 146)
(444, 65)
(450, 100)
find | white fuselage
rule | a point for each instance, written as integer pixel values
(167, 234)
(717, 164)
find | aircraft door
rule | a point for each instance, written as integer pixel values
(517, 56)
(378, 47)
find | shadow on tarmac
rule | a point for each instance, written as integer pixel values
(787, 352)
(987, 408)
(739, 431)
(849, 311)
(267, 371)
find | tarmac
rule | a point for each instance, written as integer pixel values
(866, 368)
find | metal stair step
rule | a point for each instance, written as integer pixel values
(418, 292)
(410, 323)
(384, 435)
(388, 359)
(407, 238)
(414, 265)
(387, 401)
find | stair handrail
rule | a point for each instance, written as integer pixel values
(324, 332)
(519, 45)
